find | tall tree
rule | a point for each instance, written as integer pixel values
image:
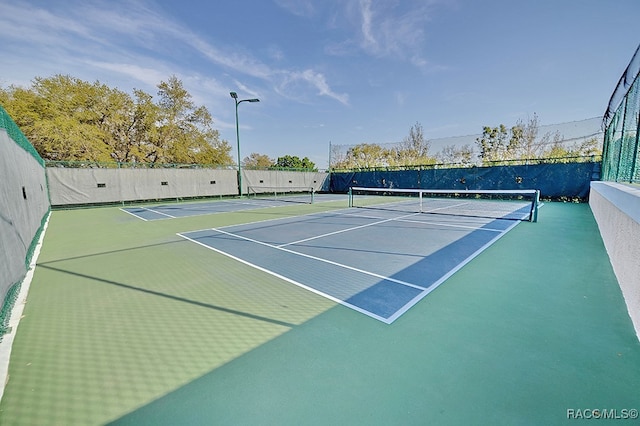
(521, 142)
(70, 119)
(413, 150)
(524, 141)
(367, 155)
(185, 133)
(452, 154)
(258, 161)
(493, 143)
(294, 162)
(61, 116)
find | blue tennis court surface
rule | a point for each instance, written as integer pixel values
(175, 210)
(377, 262)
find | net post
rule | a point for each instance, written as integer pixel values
(313, 191)
(350, 197)
(420, 197)
(533, 217)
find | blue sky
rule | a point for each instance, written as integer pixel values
(339, 71)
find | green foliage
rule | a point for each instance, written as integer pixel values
(258, 161)
(294, 162)
(367, 155)
(452, 154)
(494, 143)
(521, 142)
(68, 119)
(413, 150)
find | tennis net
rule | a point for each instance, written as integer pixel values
(494, 204)
(295, 194)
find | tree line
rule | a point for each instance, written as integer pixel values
(67, 119)
(413, 150)
(497, 144)
(262, 161)
(521, 142)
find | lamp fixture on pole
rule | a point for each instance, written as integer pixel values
(234, 95)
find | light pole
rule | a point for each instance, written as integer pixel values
(234, 95)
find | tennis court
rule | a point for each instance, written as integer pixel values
(262, 201)
(128, 322)
(304, 310)
(313, 311)
(379, 262)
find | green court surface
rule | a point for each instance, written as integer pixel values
(127, 323)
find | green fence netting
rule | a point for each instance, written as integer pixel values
(621, 149)
(14, 132)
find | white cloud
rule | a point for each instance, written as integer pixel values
(304, 8)
(299, 82)
(275, 53)
(149, 76)
(386, 30)
(245, 91)
(369, 40)
(120, 37)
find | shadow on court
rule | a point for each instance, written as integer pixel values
(90, 278)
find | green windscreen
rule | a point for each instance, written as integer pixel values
(24, 208)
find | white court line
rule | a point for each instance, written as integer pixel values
(147, 209)
(346, 230)
(289, 280)
(155, 211)
(446, 276)
(445, 207)
(451, 225)
(134, 215)
(15, 314)
(423, 293)
(427, 222)
(319, 259)
(203, 209)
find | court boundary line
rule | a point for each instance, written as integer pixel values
(290, 280)
(424, 291)
(319, 259)
(338, 211)
(16, 312)
(147, 209)
(205, 213)
(158, 212)
(346, 212)
(452, 225)
(257, 205)
(451, 272)
(347, 230)
(351, 211)
(133, 214)
(449, 225)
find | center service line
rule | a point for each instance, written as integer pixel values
(319, 259)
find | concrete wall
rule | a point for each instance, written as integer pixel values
(616, 208)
